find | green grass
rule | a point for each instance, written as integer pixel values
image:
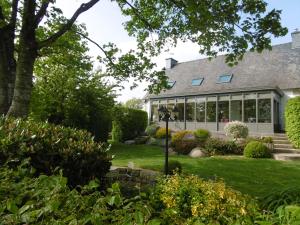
(256, 177)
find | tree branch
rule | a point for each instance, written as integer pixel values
(41, 13)
(84, 7)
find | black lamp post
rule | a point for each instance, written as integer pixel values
(166, 115)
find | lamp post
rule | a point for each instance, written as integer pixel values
(166, 115)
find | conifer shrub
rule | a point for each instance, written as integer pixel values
(292, 120)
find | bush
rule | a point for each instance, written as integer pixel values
(151, 130)
(202, 135)
(184, 146)
(236, 129)
(217, 146)
(161, 133)
(174, 166)
(191, 200)
(48, 200)
(141, 140)
(50, 147)
(116, 133)
(132, 122)
(292, 120)
(180, 135)
(256, 149)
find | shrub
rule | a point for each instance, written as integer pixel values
(203, 202)
(132, 122)
(292, 120)
(174, 166)
(151, 130)
(236, 129)
(275, 199)
(116, 133)
(256, 149)
(141, 140)
(49, 146)
(202, 135)
(184, 146)
(161, 133)
(180, 135)
(217, 146)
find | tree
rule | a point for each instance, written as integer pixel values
(230, 26)
(134, 103)
(67, 91)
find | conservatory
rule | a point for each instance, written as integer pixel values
(259, 110)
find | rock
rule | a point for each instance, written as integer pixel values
(197, 153)
(171, 151)
(129, 142)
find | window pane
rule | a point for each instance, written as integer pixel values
(223, 111)
(190, 111)
(200, 113)
(250, 111)
(154, 113)
(236, 110)
(211, 112)
(180, 116)
(225, 78)
(197, 82)
(170, 108)
(264, 110)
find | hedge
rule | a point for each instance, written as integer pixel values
(292, 120)
(132, 122)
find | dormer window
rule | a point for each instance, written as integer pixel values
(171, 84)
(225, 78)
(197, 82)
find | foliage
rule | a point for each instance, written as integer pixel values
(292, 120)
(134, 103)
(162, 133)
(267, 140)
(66, 90)
(132, 121)
(141, 140)
(50, 147)
(48, 200)
(174, 166)
(202, 135)
(236, 129)
(217, 146)
(256, 149)
(151, 129)
(116, 132)
(275, 199)
(191, 200)
(183, 141)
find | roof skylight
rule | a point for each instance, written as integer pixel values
(225, 78)
(197, 82)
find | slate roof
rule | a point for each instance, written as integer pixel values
(276, 69)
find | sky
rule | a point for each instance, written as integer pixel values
(104, 24)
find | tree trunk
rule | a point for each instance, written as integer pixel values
(4, 104)
(26, 57)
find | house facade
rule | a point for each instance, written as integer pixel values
(208, 93)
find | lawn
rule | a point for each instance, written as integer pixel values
(256, 177)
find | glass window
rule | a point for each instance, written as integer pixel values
(190, 111)
(171, 84)
(154, 112)
(236, 110)
(211, 112)
(197, 82)
(200, 112)
(170, 107)
(250, 110)
(226, 78)
(264, 110)
(180, 116)
(223, 111)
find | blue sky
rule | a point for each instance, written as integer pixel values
(104, 24)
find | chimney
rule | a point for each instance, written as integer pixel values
(170, 63)
(296, 39)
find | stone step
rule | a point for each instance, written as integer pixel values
(286, 156)
(286, 150)
(283, 145)
(279, 134)
(281, 142)
(280, 138)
